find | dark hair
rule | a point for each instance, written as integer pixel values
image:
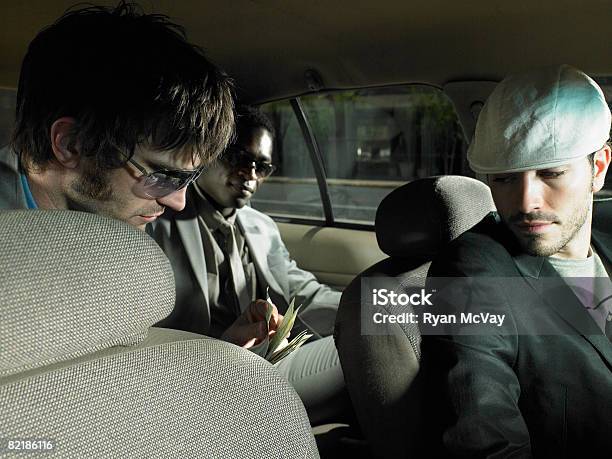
(127, 78)
(249, 117)
(591, 158)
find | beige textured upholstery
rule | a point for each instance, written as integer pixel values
(412, 224)
(81, 367)
(73, 285)
(329, 252)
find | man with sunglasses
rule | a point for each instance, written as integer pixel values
(116, 114)
(228, 257)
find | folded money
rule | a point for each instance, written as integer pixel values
(269, 348)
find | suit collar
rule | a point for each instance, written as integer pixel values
(536, 267)
(9, 159)
(603, 244)
(206, 210)
(533, 267)
(558, 296)
(530, 266)
(189, 231)
(258, 240)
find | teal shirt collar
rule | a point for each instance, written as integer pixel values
(27, 192)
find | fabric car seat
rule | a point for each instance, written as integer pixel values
(412, 223)
(83, 374)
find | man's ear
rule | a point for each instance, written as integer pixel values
(62, 131)
(601, 161)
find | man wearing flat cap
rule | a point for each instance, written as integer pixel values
(541, 386)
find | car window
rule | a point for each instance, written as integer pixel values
(371, 141)
(292, 191)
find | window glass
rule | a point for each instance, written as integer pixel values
(7, 115)
(292, 190)
(375, 140)
(371, 141)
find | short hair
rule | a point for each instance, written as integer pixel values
(591, 156)
(249, 117)
(128, 78)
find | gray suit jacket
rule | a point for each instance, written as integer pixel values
(11, 191)
(179, 236)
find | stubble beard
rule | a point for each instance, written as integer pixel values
(92, 193)
(93, 185)
(537, 245)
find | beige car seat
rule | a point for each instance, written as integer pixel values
(82, 370)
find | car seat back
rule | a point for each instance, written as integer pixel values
(412, 223)
(82, 370)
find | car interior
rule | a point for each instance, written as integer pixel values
(374, 105)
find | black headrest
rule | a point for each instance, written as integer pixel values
(418, 218)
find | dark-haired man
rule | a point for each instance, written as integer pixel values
(227, 257)
(116, 114)
(541, 386)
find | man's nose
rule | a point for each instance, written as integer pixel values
(529, 193)
(248, 173)
(176, 200)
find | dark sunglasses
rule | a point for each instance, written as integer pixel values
(161, 183)
(239, 159)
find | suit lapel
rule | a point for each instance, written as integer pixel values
(540, 275)
(189, 232)
(603, 245)
(258, 243)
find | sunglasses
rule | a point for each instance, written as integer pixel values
(162, 182)
(239, 159)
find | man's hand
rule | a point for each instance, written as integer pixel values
(250, 328)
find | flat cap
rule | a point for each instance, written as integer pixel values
(541, 119)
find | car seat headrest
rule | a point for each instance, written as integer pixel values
(418, 218)
(72, 283)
